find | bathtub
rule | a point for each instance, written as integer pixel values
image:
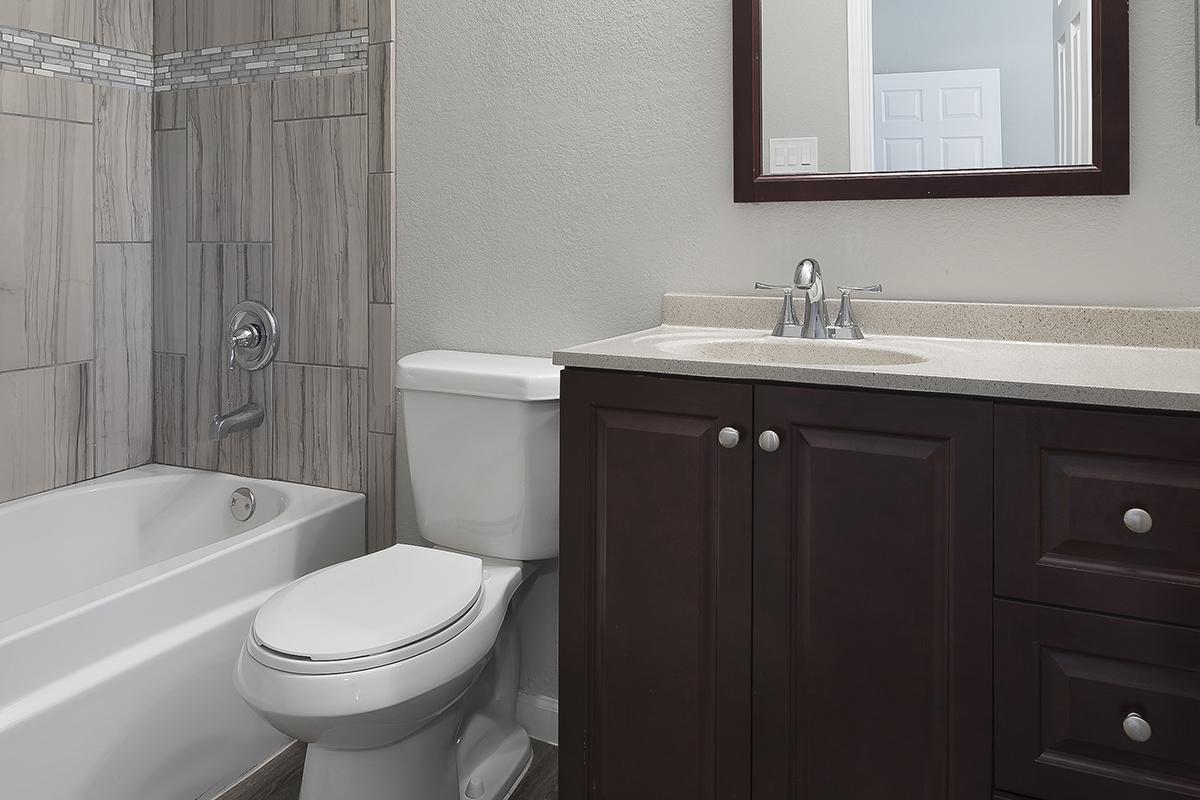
(124, 602)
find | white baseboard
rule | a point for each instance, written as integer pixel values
(539, 716)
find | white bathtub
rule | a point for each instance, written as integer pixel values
(123, 604)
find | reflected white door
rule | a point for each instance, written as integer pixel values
(1073, 80)
(938, 120)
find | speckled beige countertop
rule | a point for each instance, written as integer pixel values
(1127, 358)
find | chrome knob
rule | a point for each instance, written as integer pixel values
(1138, 520)
(768, 441)
(1136, 728)
(729, 438)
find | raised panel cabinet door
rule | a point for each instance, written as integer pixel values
(872, 597)
(656, 588)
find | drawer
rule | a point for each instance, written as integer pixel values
(1067, 686)
(1075, 492)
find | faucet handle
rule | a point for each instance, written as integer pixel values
(846, 326)
(774, 287)
(788, 325)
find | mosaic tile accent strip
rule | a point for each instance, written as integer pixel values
(298, 56)
(58, 57)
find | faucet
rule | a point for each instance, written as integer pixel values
(248, 416)
(813, 322)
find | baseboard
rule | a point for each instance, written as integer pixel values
(539, 716)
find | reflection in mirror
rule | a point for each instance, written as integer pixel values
(855, 86)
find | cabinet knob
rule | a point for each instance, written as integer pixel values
(1138, 520)
(729, 438)
(768, 441)
(1136, 728)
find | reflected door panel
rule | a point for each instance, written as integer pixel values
(948, 120)
(1073, 81)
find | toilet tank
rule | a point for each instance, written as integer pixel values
(482, 439)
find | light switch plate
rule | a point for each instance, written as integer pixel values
(792, 156)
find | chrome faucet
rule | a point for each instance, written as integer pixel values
(248, 416)
(813, 322)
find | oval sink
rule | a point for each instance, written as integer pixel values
(800, 352)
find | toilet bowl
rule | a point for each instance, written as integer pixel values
(400, 669)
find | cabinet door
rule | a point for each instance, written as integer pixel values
(872, 597)
(655, 597)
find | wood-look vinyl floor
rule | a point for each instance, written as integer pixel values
(280, 779)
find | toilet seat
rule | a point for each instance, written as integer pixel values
(376, 610)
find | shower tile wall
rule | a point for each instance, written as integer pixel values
(75, 257)
(279, 191)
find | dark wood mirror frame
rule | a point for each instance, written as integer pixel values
(1110, 110)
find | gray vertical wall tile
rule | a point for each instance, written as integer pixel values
(170, 26)
(219, 277)
(170, 111)
(380, 21)
(123, 183)
(128, 24)
(381, 492)
(320, 425)
(323, 96)
(379, 106)
(381, 202)
(229, 164)
(217, 22)
(124, 362)
(300, 17)
(39, 96)
(46, 226)
(170, 428)
(45, 429)
(320, 233)
(382, 356)
(73, 19)
(170, 242)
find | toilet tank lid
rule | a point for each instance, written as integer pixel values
(479, 374)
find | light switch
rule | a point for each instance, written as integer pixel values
(793, 156)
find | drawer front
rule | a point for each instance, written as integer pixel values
(1099, 510)
(1090, 707)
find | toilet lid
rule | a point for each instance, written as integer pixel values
(373, 604)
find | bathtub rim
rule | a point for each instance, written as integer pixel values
(303, 503)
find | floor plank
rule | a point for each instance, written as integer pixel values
(279, 779)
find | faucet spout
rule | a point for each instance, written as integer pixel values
(248, 416)
(808, 278)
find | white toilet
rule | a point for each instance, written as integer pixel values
(399, 669)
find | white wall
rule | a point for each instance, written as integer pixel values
(1014, 36)
(806, 82)
(562, 164)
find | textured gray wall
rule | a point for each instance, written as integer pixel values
(1016, 36)
(545, 198)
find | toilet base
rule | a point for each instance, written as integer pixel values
(474, 750)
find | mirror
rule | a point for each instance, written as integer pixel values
(931, 98)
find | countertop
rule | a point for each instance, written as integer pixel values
(1144, 358)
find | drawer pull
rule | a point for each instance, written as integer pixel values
(1137, 728)
(1138, 520)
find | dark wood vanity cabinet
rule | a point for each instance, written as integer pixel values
(872, 597)
(656, 589)
(817, 614)
(838, 565)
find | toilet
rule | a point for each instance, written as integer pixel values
(400, 669)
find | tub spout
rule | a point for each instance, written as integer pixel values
(248, 416)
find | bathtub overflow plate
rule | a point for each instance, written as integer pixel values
(242, 504)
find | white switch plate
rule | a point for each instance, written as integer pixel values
(793, 156)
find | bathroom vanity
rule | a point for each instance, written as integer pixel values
(913, 567)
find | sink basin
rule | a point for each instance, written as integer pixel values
(775, 350)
